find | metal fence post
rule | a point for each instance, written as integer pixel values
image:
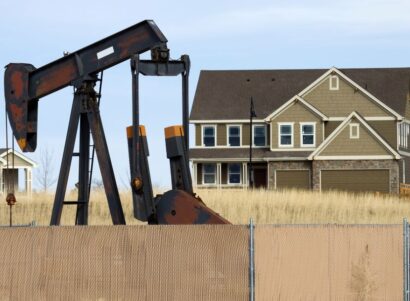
(405, 260)
(251, 262)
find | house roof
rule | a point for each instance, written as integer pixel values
(270, 89)
(242, 154)
(5, 151)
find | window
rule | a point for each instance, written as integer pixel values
(307, 134)
(234, 173)
(354, 131)
(234, 135)
(334, 82)
(259, 135)
(404, 133)
(286, 134)
(208, 134)
(209, 173)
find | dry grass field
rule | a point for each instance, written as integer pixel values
(265, 207)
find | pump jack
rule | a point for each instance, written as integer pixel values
(24, 85)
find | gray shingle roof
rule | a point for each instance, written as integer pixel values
(226, 94)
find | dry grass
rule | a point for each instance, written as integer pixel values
(265, 207)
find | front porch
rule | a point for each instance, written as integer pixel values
(229, 174)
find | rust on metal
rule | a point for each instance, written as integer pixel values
(17, 84)
(56, 77)
(177, 207)
(11, 199)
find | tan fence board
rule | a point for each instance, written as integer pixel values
(329, 263)
(124, 263)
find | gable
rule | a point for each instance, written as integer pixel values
(296, 113)
(19, 160)
(365, 145)
(344, 100)
(346, 143)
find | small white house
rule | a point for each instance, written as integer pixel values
(10, 165)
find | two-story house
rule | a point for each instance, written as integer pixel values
(343, 129)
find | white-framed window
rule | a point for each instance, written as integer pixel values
(208, 135)
(259, 135)
(285, 134)
(334, 82)
(234, 135)
(209, 173)
(404, 129)
(354, 131)
(234, 173)
(307, 134)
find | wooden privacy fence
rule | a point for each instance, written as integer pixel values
(405, 190)
(291, 262)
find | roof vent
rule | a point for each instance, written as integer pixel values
(248, 80)
(273, 79)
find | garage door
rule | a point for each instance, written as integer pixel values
(356, 180)
(293, 179)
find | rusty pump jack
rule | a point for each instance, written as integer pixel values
(24, 85)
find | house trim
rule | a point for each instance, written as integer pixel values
(292, 135)
(240, 174)
(203, 136)
(366, 157)
(336, 87)
(305, 146)
(291, 102)
(34, 164)
(369, 118)
(213, 121)
(351, 134)
(227, 134)
(203, 176)
(335, 70)
(253, 135)
(329, 139)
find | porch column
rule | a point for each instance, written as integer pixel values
(195, 173)
(28, 180)
(245, 175)
(218, 175)
(1, 180)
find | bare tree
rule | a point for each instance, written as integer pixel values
(98, 184)
(45, 172)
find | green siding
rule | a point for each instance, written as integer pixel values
(221, 134)
(387, 129)
(297, 113)
(198, 135)
(340, 103)
(343, 145)
(330, 126)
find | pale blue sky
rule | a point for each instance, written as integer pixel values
(216, 35)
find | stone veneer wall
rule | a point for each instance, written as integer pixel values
(286, 165)
(392, 165)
